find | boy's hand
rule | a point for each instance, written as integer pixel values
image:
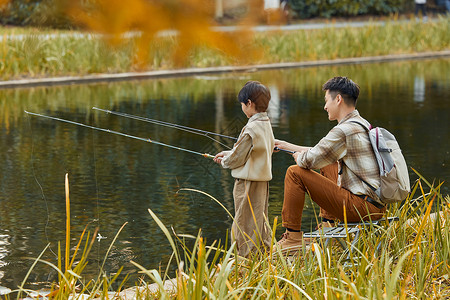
(218, 158)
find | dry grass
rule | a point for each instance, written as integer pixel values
(75, 54)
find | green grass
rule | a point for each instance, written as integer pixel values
(71, 55)
(412, 262)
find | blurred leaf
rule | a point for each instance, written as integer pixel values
(3, 3)
(143, 19)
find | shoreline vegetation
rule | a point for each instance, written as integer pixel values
(186, 72)
(69, 53)
(407, 259)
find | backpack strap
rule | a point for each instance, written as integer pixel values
(368, 184)
(365, 127)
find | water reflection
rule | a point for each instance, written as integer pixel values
(115, 180)
(4, 243)
(274, 109)
(419, 89)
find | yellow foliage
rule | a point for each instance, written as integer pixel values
(191, 19)
(3, 3)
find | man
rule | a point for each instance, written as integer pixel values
(344, 157)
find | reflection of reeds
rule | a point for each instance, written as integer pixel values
(69, 54)
(411, 262)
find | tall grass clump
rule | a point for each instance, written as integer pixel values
(35, 56)
(70, 265)
(371, 40)
(404, 259)
(79, 54)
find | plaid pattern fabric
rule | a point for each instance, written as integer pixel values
(348, 144)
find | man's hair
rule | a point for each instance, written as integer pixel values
(343, 86)
(257, 93)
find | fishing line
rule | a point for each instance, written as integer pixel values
(180, 127)
(98, 198)
(171, 125)
(41, 188)
(122, 134)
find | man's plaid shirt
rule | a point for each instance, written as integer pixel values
(348, 144)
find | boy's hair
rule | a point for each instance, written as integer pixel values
(257, 93)
(343, 86)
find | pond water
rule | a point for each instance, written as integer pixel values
(115, 180)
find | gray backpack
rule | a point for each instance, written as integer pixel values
(395, 185)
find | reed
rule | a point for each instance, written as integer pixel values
(33, 55)
(71, 283)
(408, 259)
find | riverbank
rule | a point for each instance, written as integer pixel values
(74, 57)
(214, 70)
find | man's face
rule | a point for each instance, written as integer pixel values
(331, 105)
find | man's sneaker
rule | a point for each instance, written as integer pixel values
(325, 224)
(291, 241)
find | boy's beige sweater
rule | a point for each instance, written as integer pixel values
(251, 156)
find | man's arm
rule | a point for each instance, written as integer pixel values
(328, 150)
(291, 147)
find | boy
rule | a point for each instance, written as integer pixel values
(250, 162)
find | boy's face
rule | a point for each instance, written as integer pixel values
(248, 109)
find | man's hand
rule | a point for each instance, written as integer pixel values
(279, 144)
(295, 156)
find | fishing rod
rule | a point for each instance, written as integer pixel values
(122, 134)
(177, 126)
(167, 124)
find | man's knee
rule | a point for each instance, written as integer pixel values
(295, 173)
(295, 170)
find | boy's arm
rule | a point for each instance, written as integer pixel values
(237, 156)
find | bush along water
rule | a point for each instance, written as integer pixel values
(402, 260)
(50, 12)
(330, 8)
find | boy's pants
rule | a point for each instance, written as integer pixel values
(323, 190)
(249, 230)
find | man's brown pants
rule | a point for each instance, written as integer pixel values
(323, 190)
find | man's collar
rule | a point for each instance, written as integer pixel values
(349, 116)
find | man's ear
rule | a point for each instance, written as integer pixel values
(339, 99)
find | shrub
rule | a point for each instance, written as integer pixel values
(329, 8)
(42, 13)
